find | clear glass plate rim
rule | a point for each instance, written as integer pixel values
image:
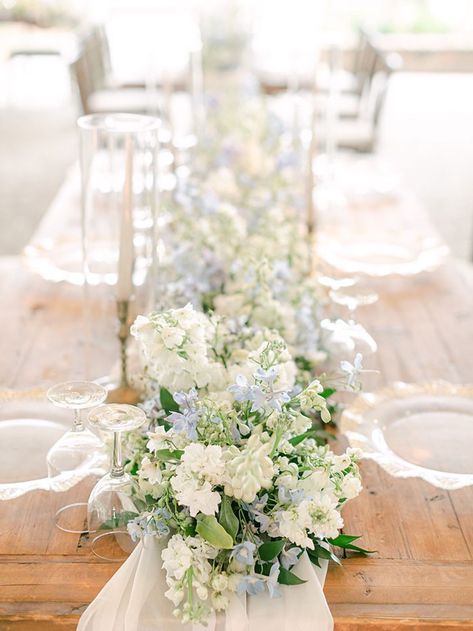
(351, 423)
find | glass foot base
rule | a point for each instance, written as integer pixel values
(72, 518)
(113, 545)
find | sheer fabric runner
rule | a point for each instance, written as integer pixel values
(134, 600)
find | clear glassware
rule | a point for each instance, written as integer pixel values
(348, 336)
(353, 296)
(111, 503)
(79, 456)
(119, 163)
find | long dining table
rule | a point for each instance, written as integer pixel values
(420, 576)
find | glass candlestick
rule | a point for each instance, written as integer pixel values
(124, 392)
(119, 156)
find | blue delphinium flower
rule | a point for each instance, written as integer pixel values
(244, 392)
(275, 399)
(295, 496)
(243, 553)
(186, 400)
(256, 510)
(289, 557)
(185, 423)
(272, 581)
(251, 584)
(268, 376)
(158, 524)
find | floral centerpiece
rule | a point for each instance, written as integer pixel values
(233, 475)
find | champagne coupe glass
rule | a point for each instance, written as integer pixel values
(351, 335)
(79, 454)
(111, 503)
(353, 296)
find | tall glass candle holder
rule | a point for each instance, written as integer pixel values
(119, 200)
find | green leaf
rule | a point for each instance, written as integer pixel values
(227, 517)
(345, 542)
(327, 393)
(303, 363)
(313, 557)
(168, 454)
(119, 521)
(167, 401)
(271, 549)
(286, 577)
(295, 440)
(210, 530)
(342, 540)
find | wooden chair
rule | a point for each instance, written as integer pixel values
(360, 133)
(96, 95)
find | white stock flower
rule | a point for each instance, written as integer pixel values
(200, 468)
(292, 525)
(175, 345)
(320, 515)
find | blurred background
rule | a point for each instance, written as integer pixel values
(62, 58)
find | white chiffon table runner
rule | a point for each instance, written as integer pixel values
(134, 600)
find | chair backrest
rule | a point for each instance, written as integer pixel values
(80, 73)
(385, 65)
(91, 45)
(91, 66)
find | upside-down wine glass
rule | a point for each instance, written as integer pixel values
(79, 456)
(350, 293)
(111, 503)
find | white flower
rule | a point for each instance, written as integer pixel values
(157, 439)
(321, 516)
(177, 557)
(175, 594)
(351, 487)
(293, 526)
(200, 468)
(175, 345)
(315, 482)
(151, 471)
(204, 461)
(353, 371)
(310, 398)
(249, 470)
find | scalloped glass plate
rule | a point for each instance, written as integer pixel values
(383, 255)
(416, 430)
(29, 427)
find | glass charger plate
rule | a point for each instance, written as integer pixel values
(416, 430)
(29, 426)
(383, 255)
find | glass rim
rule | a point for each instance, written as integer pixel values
(119, 123)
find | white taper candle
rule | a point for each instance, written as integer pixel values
(125, 255)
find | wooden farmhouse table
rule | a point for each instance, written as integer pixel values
(420, 578)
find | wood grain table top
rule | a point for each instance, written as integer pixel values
(421, 576)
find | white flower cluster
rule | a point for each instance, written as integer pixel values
(200, 470)
(175, 348)
(235, 472)
(228, 476)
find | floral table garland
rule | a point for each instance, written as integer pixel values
(235, 477)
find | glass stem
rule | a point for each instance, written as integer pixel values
(78, 427)
(117, 463)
